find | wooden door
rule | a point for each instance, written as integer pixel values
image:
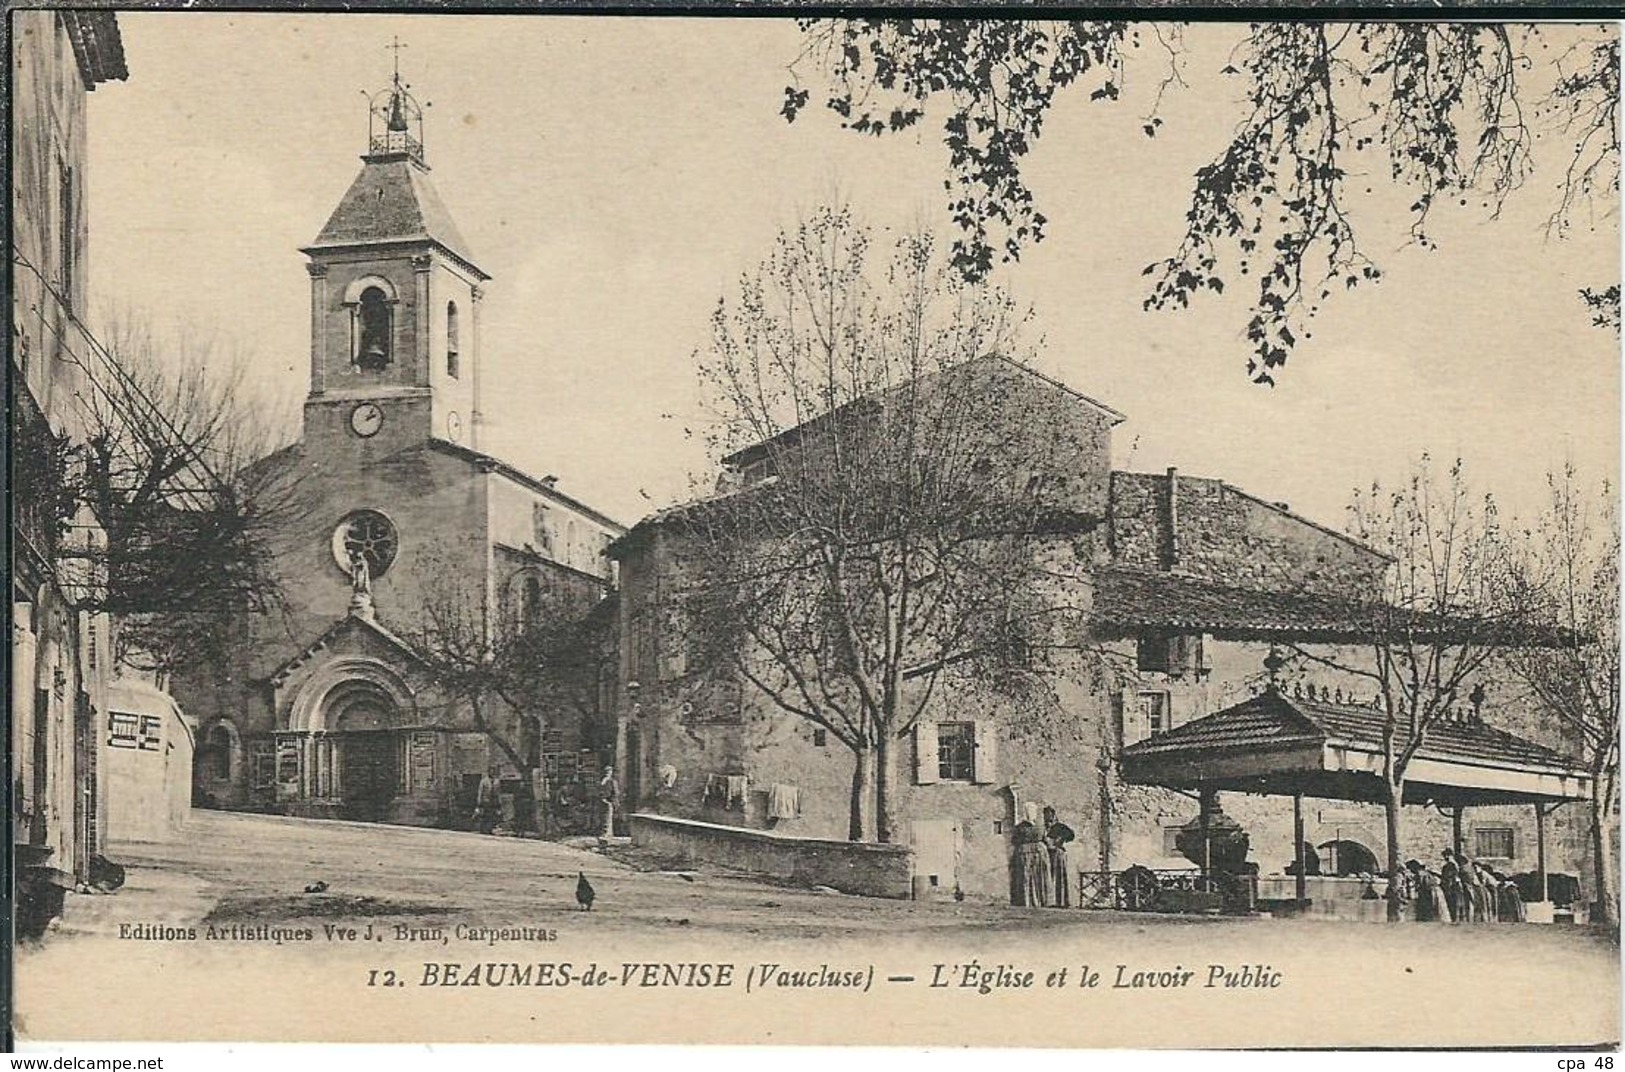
(370, 774)
(936, 856)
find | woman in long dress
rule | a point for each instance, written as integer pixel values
(1033, 875)
(1450, 883)
(1492, 894)
(1472, 889)
(1057, 835)
(1422, 896)
(1512, 909)
(1441, 907)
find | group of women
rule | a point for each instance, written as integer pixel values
(1041, 874)
(1461, 891)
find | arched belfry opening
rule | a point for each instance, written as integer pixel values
(374, 328)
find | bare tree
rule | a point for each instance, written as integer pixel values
(1568, 573)
(508, 670)
(899, 492)
(173, 509)
(1445, 611)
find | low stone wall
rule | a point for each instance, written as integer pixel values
(849, 866)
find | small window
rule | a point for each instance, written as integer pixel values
(956, 751)
(452, 347)
(1154, 712)
(374, 331)
(1494, 842)
(1170, 840)
(1151, 653)
(820, 738)
(217, 752)
(1171, 655)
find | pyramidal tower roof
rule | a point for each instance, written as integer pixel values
(392, 199)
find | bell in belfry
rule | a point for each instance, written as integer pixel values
(397, 114)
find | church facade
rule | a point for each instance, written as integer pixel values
(394, 514)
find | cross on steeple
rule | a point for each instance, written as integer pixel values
(396, 46)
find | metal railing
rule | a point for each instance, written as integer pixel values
(1144, 889)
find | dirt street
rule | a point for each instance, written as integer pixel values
(220, 934)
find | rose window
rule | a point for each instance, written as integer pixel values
(369, 533)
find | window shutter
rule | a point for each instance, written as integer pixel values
(1181, 655)
(1134, 724)
(985, 762)
(925, 753)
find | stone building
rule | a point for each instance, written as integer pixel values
(1190, 582)
(330, 710)
(60, 650)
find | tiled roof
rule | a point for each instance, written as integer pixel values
(491, 463)
(1133, 601)
(1270, 720)
(392, 200)
(997, 361)
(1264, 721)
(1130, 601)
(1459, 739)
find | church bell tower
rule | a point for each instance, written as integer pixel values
(394, 299)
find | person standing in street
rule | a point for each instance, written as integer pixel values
(1034, 874)
(1450, 882)
(608, 790)
(1057, 835)
(488, 802)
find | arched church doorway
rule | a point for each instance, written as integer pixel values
(364, 718)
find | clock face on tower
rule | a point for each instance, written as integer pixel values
(366, 419)
(454, 426)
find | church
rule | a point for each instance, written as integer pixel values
(327, 707)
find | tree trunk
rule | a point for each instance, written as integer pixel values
(1602, 854)
(858, 814)
(1391, 807)
(885, 790)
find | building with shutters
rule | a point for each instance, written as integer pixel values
(329, 709)
(60, 642)
(1190, 580)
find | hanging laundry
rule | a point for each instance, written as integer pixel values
(738, 787)
(783, 802)
(716, 790)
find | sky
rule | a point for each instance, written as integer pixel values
(616, 176)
